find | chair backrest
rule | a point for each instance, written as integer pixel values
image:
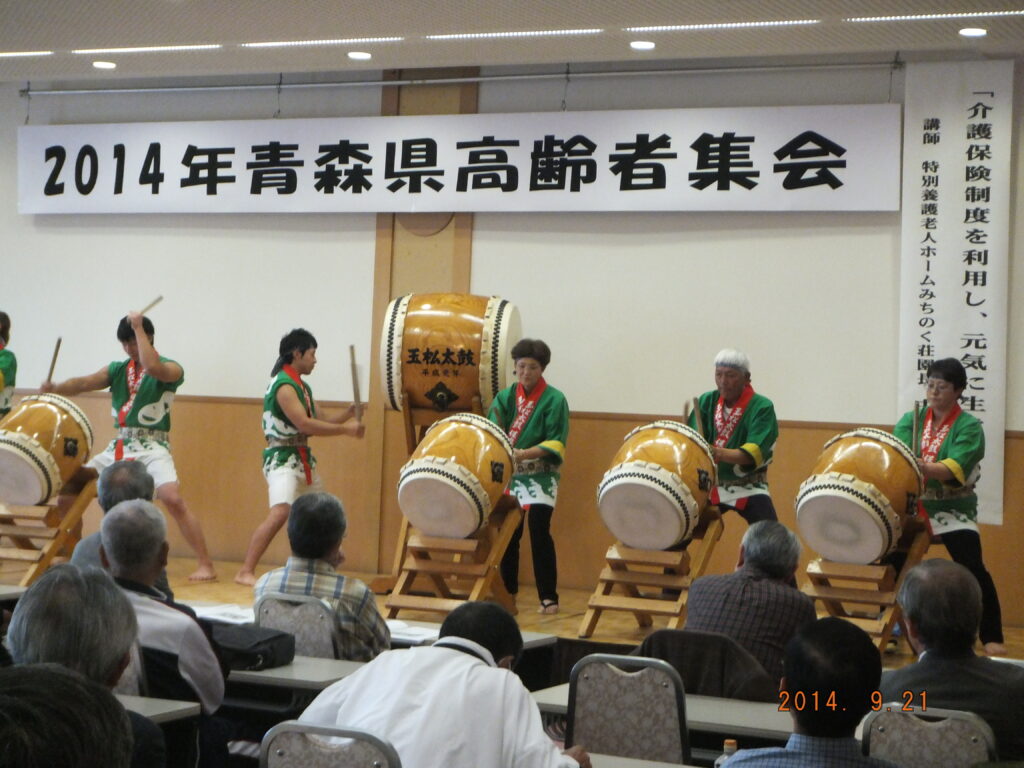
(310, 619)
(711, 664)
(628, 706)
(946, 737)
(292, 744)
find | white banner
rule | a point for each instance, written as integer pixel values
(955, 243)
(822, 158)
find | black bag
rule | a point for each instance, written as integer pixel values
(246, 646)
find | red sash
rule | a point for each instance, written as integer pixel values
(931, 442)
(303, 450)
(134, 379)
(724, 427)
(525, 406)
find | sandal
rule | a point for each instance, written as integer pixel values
(548, 606)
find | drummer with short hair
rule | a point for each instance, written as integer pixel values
(8, 366)
(290, 418)
(535, 416)
(952, 445)
(740, 426)
(142, 389)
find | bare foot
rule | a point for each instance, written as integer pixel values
(247, 578)
(204, 573)
(995, 649)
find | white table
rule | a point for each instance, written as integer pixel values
(710, 714)
(306, 673)
(610, 761)
(9, 592)
(159, 710)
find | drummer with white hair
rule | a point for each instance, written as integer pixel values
(741, 427)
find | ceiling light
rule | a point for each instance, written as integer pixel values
(642, 45)
(12, 54)
(973, 32)
(933, 16)
(346, 41)
(104, 65)
(149, 49)
(359, 55)
(532, 33)
(724, 25)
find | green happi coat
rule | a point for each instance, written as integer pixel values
(755, 435)
(952, 506)
(536, 481)
(151, 408)
(276, 425)
(8, 372)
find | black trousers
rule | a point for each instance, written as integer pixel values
(757, 508)
(545, 564)
(965, 548)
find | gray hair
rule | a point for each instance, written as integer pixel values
(123, 481)
(771, 547)
(132, 534)
(77, 618)
(943, 600)
(733, 358)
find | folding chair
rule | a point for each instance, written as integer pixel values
(311, 619)
(946, 737)
(292, 744)
(628, 706)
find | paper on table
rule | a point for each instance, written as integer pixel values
(410, 634)
(230, 614)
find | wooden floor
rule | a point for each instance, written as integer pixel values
(614, 627)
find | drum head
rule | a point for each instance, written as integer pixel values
(841, 530)
(645, 506)
(437, 508)
(27, 473)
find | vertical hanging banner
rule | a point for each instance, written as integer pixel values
(955, 243)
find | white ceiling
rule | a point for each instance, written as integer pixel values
(64, 25)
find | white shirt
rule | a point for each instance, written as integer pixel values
(442, 707)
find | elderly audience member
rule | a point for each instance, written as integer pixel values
(833, 663)
(82, 621)
(53, 717)
(757, 605)
(178, 658)
(941, 604)
(121, 481)
(316, 528)
(455, 703)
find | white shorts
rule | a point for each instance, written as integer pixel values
(285, 484)
(154, 457)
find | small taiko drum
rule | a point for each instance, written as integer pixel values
(456, 475)
(658, 485)
(43, 442)
(852, 508)
(444, 349)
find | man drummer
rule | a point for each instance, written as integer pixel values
(741, 427)
(141, 390)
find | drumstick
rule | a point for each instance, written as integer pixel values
(913, 430)
(53, 362)
(686, 413)
(696, 416)
(355, 383)
(151, 304)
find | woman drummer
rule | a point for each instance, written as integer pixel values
(952, 446)
(536, 418)
(8, 366)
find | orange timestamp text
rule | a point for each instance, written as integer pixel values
(817, 701)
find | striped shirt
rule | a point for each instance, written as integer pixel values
(363, 631)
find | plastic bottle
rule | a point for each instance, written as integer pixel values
(728, 750)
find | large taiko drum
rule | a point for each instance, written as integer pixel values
(456, 475)
(852, 508)
(658, 485)
(445, 348)
(43, 442)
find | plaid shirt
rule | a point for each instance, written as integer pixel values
(363, 631)
(808, 752)
(758, 612)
